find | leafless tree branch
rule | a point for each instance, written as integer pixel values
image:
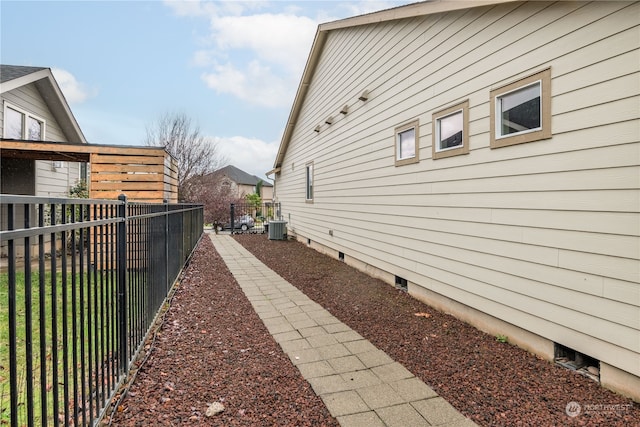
(197, 155)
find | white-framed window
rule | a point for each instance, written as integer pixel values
(20, 124)
(451, 131)
(521, 111)
(309, 182)
(406, 143)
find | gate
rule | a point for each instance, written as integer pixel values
(252, 217)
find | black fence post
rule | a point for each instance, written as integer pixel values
(13, 358)
(121, 254)
(233, 217)
(166, 247)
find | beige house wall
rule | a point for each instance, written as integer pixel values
(544, 236)
(245, 189)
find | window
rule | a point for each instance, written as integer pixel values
(309, 182)
(521, 111)
(34, 129)
(406, 144)
(451, 131)
(12, 123)
(19, 124)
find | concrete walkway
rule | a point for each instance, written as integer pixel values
(360, 384)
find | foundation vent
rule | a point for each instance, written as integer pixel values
(576, 361)
(401, 283)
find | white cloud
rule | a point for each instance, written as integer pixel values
(364, 7)
(278, 45)
(252, 155)
(256, 84)
(74, 91)
(253, 55)
(257, 50)
(279, 39)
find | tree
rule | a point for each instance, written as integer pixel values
(216, 198)
(196, 154)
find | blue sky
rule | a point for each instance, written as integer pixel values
(232, 66)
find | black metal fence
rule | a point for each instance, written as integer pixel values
(82, 281)
(252, 217)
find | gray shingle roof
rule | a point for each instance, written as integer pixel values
(241, 177)
(11, 72)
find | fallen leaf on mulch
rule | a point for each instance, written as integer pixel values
(422, 315)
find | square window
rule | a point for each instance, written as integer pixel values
(451, 131)
(521, 111)
(406, 144)
(12, 123)
(309, 182)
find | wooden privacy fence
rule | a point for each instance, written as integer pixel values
(144, 174)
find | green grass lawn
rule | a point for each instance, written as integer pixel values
(93, 347)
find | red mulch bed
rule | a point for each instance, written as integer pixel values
(491, 382)
(212, 347)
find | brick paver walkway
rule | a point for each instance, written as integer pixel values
(360, 384)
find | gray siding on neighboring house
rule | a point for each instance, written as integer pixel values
(543, 235)
(49, 181)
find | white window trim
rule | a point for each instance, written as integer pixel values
(25, 114)
(498, 112)
(309, 172)
(439, 138)
(415, 125)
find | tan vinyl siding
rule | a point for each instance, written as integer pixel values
(544, 235)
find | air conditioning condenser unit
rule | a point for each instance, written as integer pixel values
(277, 230)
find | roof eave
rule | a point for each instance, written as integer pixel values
(24, 80)
(408, 11)
(312, 61)
(72, 123)
(52, 94)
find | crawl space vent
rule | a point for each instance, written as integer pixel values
(401, 283)
(576, 361)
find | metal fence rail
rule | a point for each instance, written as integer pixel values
(81, 283)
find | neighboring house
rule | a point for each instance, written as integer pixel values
(484, 155)
(241, 183)
(34, 108)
